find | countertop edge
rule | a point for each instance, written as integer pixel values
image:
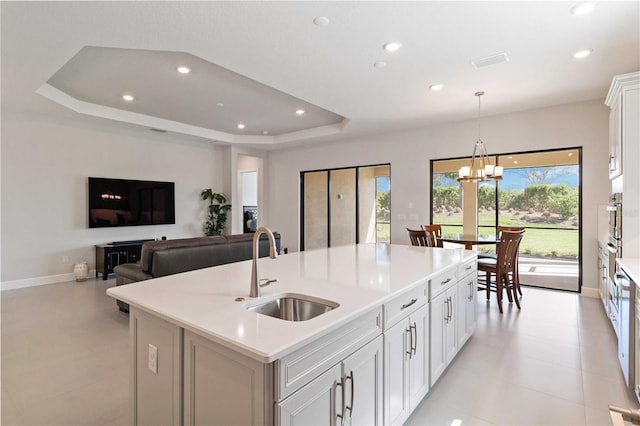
(323, 329)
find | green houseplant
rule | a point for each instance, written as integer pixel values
(217, 212)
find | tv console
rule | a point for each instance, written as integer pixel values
(108, 256)
(122, 243)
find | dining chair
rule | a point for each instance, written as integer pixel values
(435, 232)
(503, 267)
(494, 255)
(420, 237)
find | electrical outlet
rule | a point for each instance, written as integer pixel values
(153, 359)
(65, 259)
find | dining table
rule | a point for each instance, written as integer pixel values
(471, 240)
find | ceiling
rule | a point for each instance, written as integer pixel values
(256, 63)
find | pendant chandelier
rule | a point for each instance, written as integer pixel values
(480, 169)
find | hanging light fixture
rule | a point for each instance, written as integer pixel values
(481, 169)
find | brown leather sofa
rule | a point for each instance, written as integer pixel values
(168, 257)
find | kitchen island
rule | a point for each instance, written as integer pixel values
(199, 355)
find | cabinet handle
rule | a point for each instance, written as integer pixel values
(468, 267)
(445, 281)
(406, 305)
(450, 308)
(350, 407)
(341, 415)
(446, 312)
(414, 342)
(410, 349)
(471, 290)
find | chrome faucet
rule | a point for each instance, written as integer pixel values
(255, 287)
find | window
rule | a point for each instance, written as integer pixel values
(540, 191)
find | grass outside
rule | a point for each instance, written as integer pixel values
(549, 243)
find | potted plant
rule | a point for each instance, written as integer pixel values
(217, 212)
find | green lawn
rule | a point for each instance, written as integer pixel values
(553, 243)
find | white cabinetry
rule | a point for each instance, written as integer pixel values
(374, 369)
(406, 367)
(603, 275)
(443, 308)
(467, 291)
(223, 385)
(624, 100)
(615, 142)
(348, 393)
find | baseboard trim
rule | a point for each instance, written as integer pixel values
(591, 292)
(38, 281)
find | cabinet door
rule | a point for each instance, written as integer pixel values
(438, 314)
(223, 387)
(315, 403)
(362, 375)
(419, 359)
(466, 319)
(450, 333)
(396, 401)
(615, 141)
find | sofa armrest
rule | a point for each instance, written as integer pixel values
(129, 273)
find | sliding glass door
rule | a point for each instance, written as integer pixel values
(540, 191)
(345, 206)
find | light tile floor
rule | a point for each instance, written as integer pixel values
(65, 361)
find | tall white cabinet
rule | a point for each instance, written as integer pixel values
(624, 154)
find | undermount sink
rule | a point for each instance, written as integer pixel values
(294, 307)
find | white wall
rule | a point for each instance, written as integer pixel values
(583, 124)
(45, 165)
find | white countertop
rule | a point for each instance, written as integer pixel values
(631, 266)
(358, 277)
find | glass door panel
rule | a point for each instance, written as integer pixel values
(316, 210)
(374, 205)
(540, 192)
(446, 198)
(342, 207)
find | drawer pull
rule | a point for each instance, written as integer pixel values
(469, 267)
(406, 305)
(445, 281)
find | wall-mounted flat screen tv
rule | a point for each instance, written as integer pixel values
(121, 202)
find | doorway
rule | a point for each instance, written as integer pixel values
(249, 191)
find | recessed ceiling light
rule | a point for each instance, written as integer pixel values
(380, 64)
(582, 54)
(582, 8)
(127, 98)
(392, 46)
(436, 87)
(265, 132)
(220, 104)
(184, 70)
(299, 111)
(240, 126)
(321, 21)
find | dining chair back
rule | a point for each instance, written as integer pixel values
(504, 267)
(435, 232)
(494, 255)
(420, 237)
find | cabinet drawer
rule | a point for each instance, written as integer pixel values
(468, 267)
(442, 282)
(293, 371)
(403, 305)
